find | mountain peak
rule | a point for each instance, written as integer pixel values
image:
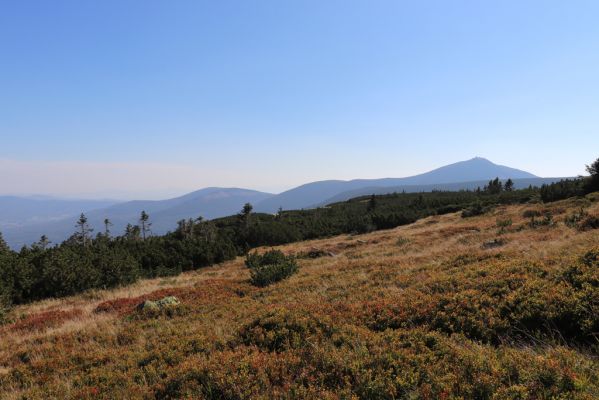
(310, 194)
(475, 169)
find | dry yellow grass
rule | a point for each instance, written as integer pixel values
(360, 269)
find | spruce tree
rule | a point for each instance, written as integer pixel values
(44, 242)
(246, 213)
(84, 229)
(372, 203)
(509, 185)
(107, 225)
(3, 246)
(593, 170)
(145, 224)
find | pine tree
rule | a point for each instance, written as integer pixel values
(3, 246)
(44, 242)
(372, 203)
(509, 185)
(494, 186)
(107, 225)
(145, 224)
(84, 229)
(246, 213)
(132, 232)
(593, 170)
(185, 228)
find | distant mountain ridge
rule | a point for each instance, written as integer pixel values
(311, 194)
(209, 203)
(21, 210)
(215, 202)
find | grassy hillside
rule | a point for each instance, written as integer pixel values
(503, 305)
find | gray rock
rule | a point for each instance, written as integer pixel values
(149, 305)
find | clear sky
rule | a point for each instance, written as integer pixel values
(155, 98)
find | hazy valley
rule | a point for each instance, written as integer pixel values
(23, 221)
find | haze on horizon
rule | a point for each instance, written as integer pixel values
(154, 99)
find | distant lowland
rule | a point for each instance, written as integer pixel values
(24, 219)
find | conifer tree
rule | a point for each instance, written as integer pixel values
(107, 225)
(3, 246)
(145, 224)
(246, 213)
(132, 232)
(44, 242)
(84, 229)
(372, 203)
(593, 170)
(509, 185)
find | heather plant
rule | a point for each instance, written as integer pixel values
(282, 329)
(503, 224)
(402, 241)
(572, 220)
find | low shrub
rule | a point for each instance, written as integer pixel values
(282, 329)
(45, 320)
(503, 224)
(547, 220)
(401, 364)
(451, 208)
(514, 303)
(402, 241)
(574, 219)
(475, 210)
(314, 253)
(270, 267)
(531, 213)
(590, 222)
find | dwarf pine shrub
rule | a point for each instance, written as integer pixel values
(270, 267)
(474, 210)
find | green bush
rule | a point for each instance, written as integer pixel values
(273, 266)
(474, 210)
(116, 267)
(574, 219)
(563, 189)
(503, 224)
(531, 213)
(547, 220)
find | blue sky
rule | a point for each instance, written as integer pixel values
(154, 98)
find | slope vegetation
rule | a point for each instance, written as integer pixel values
(503, 305)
